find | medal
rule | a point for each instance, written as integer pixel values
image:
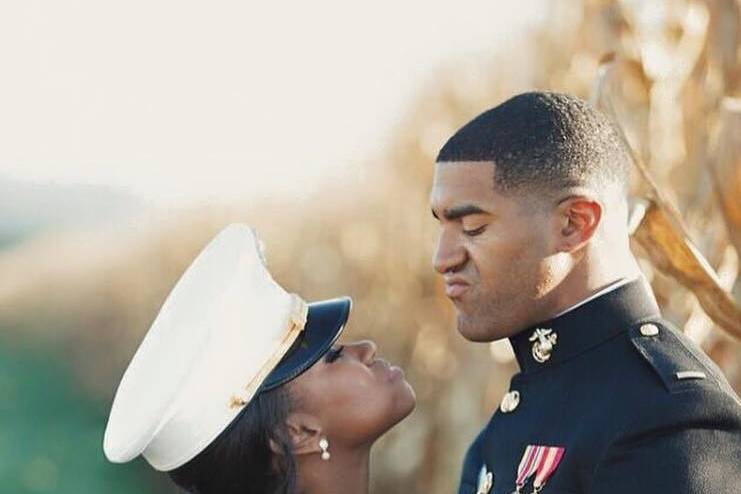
(540, 461)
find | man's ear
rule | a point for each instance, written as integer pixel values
(304, 431)
(578, 219)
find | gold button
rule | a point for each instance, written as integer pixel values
(649, 330)
(485, 482)
(510, 401)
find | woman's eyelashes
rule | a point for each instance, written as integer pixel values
(333, 354)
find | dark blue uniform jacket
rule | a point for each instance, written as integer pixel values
(635, 405)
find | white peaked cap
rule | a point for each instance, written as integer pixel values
(221, 331)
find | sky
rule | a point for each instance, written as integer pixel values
(181, 102)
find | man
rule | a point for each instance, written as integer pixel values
(534, 246)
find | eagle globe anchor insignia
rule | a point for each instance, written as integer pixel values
(544, 341)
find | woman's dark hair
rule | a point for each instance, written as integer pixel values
(240, 460)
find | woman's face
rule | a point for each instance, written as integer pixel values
(355, 396)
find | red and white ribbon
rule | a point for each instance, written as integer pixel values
(541, 461)
(548, 464)
(527, 464)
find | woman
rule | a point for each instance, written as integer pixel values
(240, 387)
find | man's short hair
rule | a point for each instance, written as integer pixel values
(542, 141)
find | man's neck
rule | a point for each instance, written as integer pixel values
(587, 281)
(346, 472)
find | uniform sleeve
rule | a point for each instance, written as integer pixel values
(687, 461)
(471, 466)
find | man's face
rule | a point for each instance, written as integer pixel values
(493, 251)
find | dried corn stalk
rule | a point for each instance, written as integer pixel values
(726, 170)
(674, 254)
(662, 233)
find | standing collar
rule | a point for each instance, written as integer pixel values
(589, 323)
(610, 287)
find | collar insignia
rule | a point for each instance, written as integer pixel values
(544, 341)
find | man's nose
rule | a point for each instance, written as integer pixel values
(449, 255)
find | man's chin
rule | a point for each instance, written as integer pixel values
(475, 332)
(479, 331)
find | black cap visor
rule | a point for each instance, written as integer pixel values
(324, 324)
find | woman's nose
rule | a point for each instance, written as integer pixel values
(365, 350)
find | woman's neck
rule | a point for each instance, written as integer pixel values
(346, 472)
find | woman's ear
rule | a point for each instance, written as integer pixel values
(578, 219)
(304, 431)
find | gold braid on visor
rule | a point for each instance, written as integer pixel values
(296, 324)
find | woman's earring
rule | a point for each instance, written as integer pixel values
(324, 445)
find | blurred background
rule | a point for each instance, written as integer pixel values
(132, 132)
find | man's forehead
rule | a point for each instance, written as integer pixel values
(461, 168)
(462, 181)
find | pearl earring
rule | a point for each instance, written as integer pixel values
(324, 445)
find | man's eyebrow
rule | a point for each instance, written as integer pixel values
(457, 212)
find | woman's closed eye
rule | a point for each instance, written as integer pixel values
(333, 354)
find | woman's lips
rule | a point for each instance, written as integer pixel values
(395, 373)
(391, 372)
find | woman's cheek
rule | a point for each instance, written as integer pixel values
(357, 396)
